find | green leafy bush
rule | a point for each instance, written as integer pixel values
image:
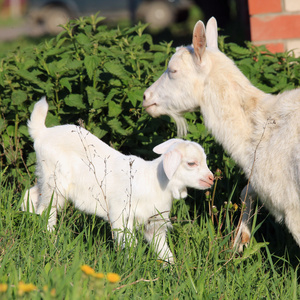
(90, 75)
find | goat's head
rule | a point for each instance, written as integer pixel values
(184, 164)
(180, 87)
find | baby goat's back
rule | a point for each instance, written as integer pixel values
(94, 176)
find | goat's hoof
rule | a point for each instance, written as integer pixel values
(245, 238)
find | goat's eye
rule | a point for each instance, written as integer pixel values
(192, 164)
(172, 71)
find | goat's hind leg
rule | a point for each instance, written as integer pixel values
(292, 221)
(243, 235)
(47, 197)
(31, 199)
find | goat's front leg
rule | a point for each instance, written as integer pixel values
(244, 231)
(123, 232)
(155, 233)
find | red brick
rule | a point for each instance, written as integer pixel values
(264, 6)
(275, 27)
(275, 47)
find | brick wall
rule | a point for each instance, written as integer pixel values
(275, 23)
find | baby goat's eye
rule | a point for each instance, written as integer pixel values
(192, 164)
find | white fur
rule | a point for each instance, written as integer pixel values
(124, 190)
(260, 131)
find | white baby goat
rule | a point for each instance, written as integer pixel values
(74, 164)
(259, 130)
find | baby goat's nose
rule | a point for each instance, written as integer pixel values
(211, 178)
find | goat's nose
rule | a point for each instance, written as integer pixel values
(211, 178)
(147, 95)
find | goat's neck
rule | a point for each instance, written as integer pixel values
(228, 107)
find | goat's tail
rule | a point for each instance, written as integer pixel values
(36, 124)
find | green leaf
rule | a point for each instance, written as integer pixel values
(52, 120)
(23, 130)
(75, 100)
(117, 126)
(10, 130)
(91, 63)
(83, 39)
(65, 83)
(30, 76)
(99, 132)
(95, 98)
(116, 69)
(18, 97)
(134, 96)
(139, 40)
(114, 109)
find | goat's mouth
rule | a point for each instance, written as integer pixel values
(148, 106)
(205, 184)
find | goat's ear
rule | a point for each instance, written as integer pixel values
(171, 162)
(199, 39)
(163, 147)
(212, 33)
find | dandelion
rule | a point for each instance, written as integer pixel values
(87, 270)
(3, 287)
(214, 210)
(207, 196)
(235, 207)
(98, 275)
(25, 288)
(53, 293)
(45, 288)
(113, 277)
(218, 174)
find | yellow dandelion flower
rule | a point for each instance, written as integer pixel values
(25, 288)
(45, 288)
(113, 277)
(3, 287)
(235, 207)
(53, 292)
(98, 275)
(87, 270)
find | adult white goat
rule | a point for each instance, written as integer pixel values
(74, 164)
(260, 131)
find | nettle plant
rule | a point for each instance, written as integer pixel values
(91, 75)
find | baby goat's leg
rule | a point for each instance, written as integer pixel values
(155, 233)
(244, 232)
(31, 199)
(49, 196)
(123, 231)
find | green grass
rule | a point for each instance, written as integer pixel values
(205, 267)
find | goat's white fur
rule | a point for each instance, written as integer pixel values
(124, 190)
(260, 131)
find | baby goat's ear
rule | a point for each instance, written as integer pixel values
(171, 162)
(163, 147)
